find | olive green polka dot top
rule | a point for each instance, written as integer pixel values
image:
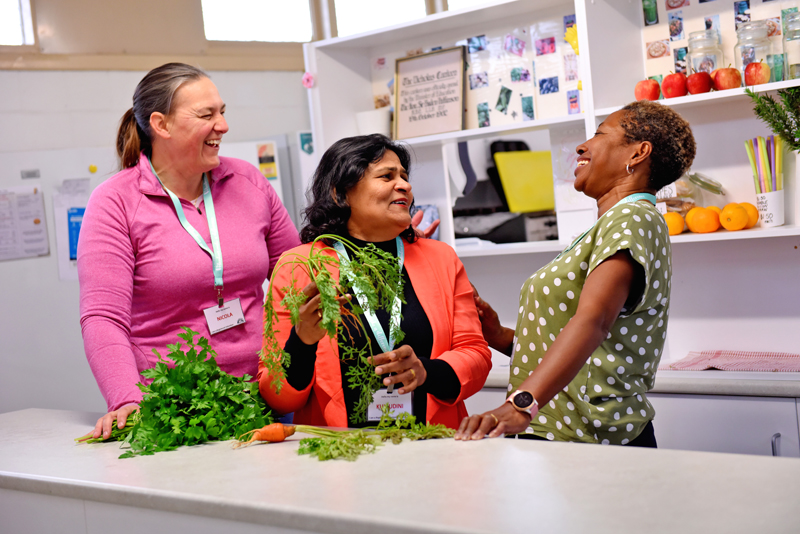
(606, 402)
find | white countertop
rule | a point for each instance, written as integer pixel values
(702, 382)
(440, 486)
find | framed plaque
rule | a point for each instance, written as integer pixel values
(429, 93)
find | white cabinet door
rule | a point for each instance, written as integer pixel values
(718, 423)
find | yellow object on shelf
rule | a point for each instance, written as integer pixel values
(527, 179)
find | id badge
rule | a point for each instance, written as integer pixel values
(228, 316)
(397, 403)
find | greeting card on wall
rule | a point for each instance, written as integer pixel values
(429, 95)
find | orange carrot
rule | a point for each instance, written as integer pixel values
(274, 433)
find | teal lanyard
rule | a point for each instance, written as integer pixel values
(216, 259)
(374, 324)
(627, 200)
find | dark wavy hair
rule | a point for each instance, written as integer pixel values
(671, 136)
(340, 169)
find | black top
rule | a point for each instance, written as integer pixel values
(442, 381)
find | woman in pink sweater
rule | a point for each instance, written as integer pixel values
(154, 237)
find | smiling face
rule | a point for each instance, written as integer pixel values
(195, 127)
(380, 201)
(602, 159)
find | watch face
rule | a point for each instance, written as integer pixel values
(523, 399)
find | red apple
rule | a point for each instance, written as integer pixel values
(756, 73)
(674, 85)
(647, 90)
(699, 82)
(727, 78)
(714, 77)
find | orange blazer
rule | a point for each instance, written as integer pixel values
(441, 284)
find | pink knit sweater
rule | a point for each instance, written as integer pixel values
(143, 277)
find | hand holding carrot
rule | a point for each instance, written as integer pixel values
(308, 326)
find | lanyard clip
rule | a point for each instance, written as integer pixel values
(219, 296)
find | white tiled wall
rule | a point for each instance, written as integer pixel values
(45, 110)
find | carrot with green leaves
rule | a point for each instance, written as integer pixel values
(378, 277)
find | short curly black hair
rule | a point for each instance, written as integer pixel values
(670, 134)
(341, 167)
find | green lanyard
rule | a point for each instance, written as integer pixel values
(374, 324)
(627, 200)
(216, 259)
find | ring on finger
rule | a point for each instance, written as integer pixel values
(496, 420)
(319, 314)
(413, 374)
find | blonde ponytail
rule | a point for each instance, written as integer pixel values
(129, 144)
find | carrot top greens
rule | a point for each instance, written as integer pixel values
(372, 272)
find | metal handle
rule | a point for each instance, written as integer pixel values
(775, 437)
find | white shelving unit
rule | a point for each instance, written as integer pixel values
(731, 290)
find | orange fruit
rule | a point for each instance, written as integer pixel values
(729, 204)
(733, 217)
(718, 210)
(752, 214)
(690, 215)
(674, 222)
(703, 221)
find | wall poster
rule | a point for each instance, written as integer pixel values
(430, 93)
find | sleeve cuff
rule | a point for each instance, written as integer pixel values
(442, 381)
(303, 359)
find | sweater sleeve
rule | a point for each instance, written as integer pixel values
(105, 272)
(469, 355)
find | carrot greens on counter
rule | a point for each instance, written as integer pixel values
(374, 273)
(330, 444)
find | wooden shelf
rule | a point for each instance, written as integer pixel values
(494, 131)
(704, 99)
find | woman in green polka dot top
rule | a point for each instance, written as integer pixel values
(592, 323)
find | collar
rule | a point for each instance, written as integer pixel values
(149, 185)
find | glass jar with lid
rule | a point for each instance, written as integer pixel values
(791, 46)
(753, 45)
(705, 53)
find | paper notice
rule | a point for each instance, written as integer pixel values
(69, 203)
(23, 231)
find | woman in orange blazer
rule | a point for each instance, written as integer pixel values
(361, 192)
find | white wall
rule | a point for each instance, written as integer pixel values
(42, 364)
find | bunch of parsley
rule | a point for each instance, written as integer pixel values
(376, 274)
(193, 402)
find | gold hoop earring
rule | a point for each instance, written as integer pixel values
(627, 168)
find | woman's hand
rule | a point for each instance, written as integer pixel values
(308, 327)
(503, 420)
(104, 424)
(427, 232)
(310, 316)
(405, 365)
(496, 335)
